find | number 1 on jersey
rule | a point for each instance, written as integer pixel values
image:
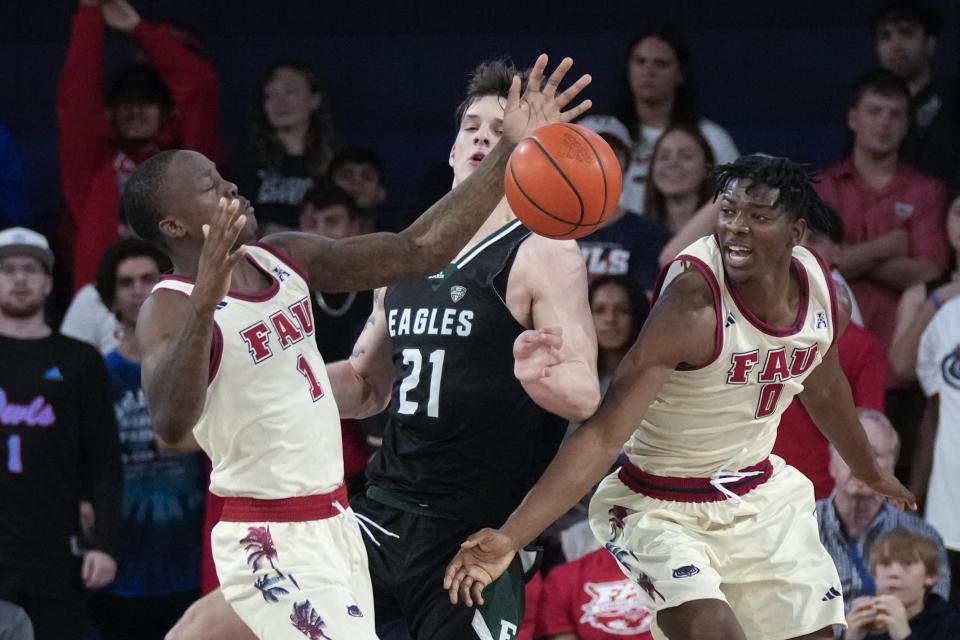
(316, 391)
(413, 358)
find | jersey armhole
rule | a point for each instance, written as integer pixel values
(711, 279)
(832, 289)
(216, 353)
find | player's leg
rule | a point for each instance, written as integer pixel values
(700, 620)
(210, 618)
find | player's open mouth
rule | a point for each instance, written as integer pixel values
(738, 254)
(477, 158)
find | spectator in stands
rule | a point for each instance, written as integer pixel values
(892, 214)
(14, 208)
(921, 301)
(171, 103)
(937, 461)
(853, 518)
(14, 622)
(906, 34)
(680, 181)
(60, 446)
(158, 558)
(359, 172)
(655, 90)
(328, 210)
(626, 244)
(905, 567)
(293, 143)
(590, 598)
(863, 361)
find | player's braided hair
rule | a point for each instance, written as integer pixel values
(794, 181)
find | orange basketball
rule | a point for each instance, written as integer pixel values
(563, 181)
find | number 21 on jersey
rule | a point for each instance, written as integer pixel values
(414, 358)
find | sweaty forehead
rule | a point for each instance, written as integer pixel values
(745, 192)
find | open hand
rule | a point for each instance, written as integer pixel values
(538, 107)
(119, 15)
(482, 559)
(218, 257)
(535, 351)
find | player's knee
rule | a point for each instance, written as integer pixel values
(700, 620)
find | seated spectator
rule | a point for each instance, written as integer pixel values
(293, 142)
(906, 34)
(854, 517)
(14, 208)
(680, 182)
(626, 244)
(905, 567)
(158, 558)
(937, 461)
(591, 599)
(359, 172)
(171, 103)
(862, 359)
(59, 433)
(656, 89)
(892, 214)
(921, 301)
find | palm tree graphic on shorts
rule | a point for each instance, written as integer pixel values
(307, 621)
(259, 543)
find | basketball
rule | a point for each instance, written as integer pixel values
(563, 181)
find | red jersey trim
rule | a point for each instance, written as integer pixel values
(802, 310)
(260, 296)
(690, 489)
(717, 306)
(284, 258)
(216, 352)
(299, 509)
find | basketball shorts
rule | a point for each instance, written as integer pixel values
(407, 574)
(290, 579)
(759, 552)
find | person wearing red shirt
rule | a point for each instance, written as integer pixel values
(590, 598)
(172, 104)
(893, 215)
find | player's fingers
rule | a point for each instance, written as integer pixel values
(536, 74)
(550, 89)
(465, 590)
(477, 592)
(572, 114)
(573, 90)
(513, 95)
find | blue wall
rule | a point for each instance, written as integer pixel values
(775, 74)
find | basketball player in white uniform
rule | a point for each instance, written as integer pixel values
(719, 534)
(230, 364)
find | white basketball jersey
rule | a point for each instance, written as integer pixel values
(724, 414)
(270, 424)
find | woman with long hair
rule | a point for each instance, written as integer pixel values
(680, 181)
(293, 142)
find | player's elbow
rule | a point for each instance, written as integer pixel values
(586, 405)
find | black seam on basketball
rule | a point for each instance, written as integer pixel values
(534, 203)
(599, 162)
(562, 175)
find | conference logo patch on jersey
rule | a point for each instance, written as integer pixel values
(821, 320)
(615, 608)
(950, 368)
(686, 571)
(281, 273)
(457, 292)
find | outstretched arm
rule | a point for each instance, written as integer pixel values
(556, 361)
(176, 332)
(593, 448)
(363, 382)
(426, 246)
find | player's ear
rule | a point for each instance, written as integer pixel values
(452, 149)
(172, 227)
(798, 228)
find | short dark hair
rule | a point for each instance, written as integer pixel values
(490, 78)
(357, 155)
(902, 545)
(796, 196)
(138, 82)
(123, 249)
(880, 81)
(833, 223)
(141, 197)
(907, 11)
(327, 194)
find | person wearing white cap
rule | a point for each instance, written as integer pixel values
(58, 445)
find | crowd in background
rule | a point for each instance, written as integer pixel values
(126, 563)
